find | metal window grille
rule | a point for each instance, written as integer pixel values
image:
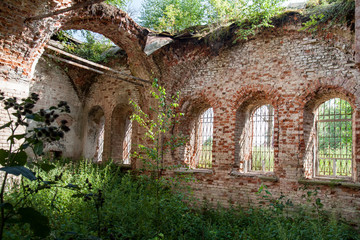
(127, 142)
(205, 139)
(199, 152)
(334, 139)
(100, 141)
(262, 139)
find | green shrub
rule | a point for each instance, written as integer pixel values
(130, 211)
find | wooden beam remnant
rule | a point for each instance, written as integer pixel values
(96, 64)
(91, 69)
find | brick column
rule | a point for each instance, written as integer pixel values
(357, 31)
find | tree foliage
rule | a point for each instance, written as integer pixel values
(176, 15)
(95, 47)
(172, 15)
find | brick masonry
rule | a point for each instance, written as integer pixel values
(291, 70)
(295, 73)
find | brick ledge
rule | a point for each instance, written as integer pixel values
(333, 183)
(189, 170)
(262, 176)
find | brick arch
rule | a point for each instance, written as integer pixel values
(192, 107)
(194, 104)
(119, 118)
(94, 134)
(319, 94)
(116, 25)
(310, 101)
(246, 100)
(247, 94)
(23, 44)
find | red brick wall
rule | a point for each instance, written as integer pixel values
(294, 73)
(291, 70)
(22, 42)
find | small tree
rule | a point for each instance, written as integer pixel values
(157, 129)
(157, 140)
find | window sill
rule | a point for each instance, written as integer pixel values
(269, 177)
(330, 182)
(190, 171)
(122, 165)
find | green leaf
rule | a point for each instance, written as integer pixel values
(11, 139)
(35, 117)
(6, 125)
(72, 186)
(47, 167)
(41, 187)
(20, 158)
(39, 148)
(49, 182)
(39, 223)
(7, 206)
(25, 146)
(19, 136)
(3, 155)
(78, 195)
(17, 170)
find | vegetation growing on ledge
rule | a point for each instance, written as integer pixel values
(173, 16)
(243, 18)
(94, 47)
(332, 12)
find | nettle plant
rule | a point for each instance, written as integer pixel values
(16, 161)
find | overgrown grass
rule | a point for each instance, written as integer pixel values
(139, 207)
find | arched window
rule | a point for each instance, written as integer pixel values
(262, 139)
(121, 134)
(94, 135)
(126, 151)
(198, 153)
(333, 148)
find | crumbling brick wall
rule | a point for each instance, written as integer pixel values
(291, 70)
(53, 85)
(294, 72)
(113, 97)
(22, 41)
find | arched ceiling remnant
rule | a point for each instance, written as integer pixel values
(116, 25)
(24, 41)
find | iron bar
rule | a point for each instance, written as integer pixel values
(262, 139)
(126, 151)
(205, 139)
(334, 139)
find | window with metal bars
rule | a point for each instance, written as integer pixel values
(199, 152)
(100, 141)
(334, 143)
(126, 151)
(262, 139)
